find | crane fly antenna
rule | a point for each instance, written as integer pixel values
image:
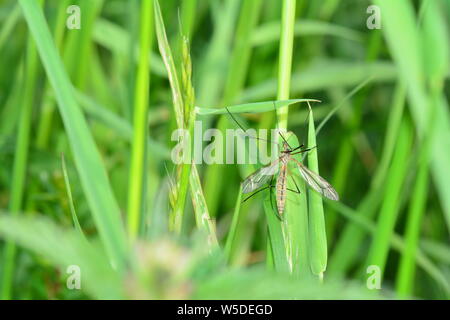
(242, 128)
(276, 124)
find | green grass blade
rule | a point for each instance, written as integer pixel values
(48, 104)
(235, 81)
(317, 232)
(214, 62)
(406, 270)
(88, 161)
(8, 25)
(20, 162)
(233, 227)
(296, 219)
(240, 55)
(202, 217)
(346, 249)
(390, 207)
(254, 107)
(188, 15)
(335, 109)
(285, 58)
(140, 115)
(120, 126)
(270, 31)
(276, 238)
(166, 54)
(73, 212)
(401, 33)
(310, 79)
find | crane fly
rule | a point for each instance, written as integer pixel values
(264, 174)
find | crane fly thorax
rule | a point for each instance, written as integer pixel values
(284, 158)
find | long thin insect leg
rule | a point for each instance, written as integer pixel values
(296, 186)
(299, 147)
(294, 191)
(237, 122)
(304, 150)
(257, 191)
(242, 128)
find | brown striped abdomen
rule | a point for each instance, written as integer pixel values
(281, 189)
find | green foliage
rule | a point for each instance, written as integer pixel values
(378, 119)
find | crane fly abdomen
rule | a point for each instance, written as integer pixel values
(281, 186)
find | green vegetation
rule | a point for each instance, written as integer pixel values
(86, 144)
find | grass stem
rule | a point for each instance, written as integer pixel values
(140, 118)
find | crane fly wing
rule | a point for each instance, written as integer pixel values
(317, 182)
(259, 177)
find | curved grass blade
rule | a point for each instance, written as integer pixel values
(270, 32)
(254, 107)
(93, 176)
(76, 223)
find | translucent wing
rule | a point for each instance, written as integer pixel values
(317, 182)
(259, 177)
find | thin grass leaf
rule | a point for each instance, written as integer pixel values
(188, 15)
(48, 107)
(276, 238)
(140, 115)
(347, 97)
(347, 247)
(295, 222)
(8, 25)
(94, 179)
(73, 212)
(389, 210)
(235, 81)
(406, 270)
(317, 232)
(18, 183)
(402, 36)
(202, 217)
(233, 227)
(215, 61)
(119, 125)
(166, 54)
(311, 78)
(270, 31)
(285, 58)
(254, 107)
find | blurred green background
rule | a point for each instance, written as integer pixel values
(108, 96)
